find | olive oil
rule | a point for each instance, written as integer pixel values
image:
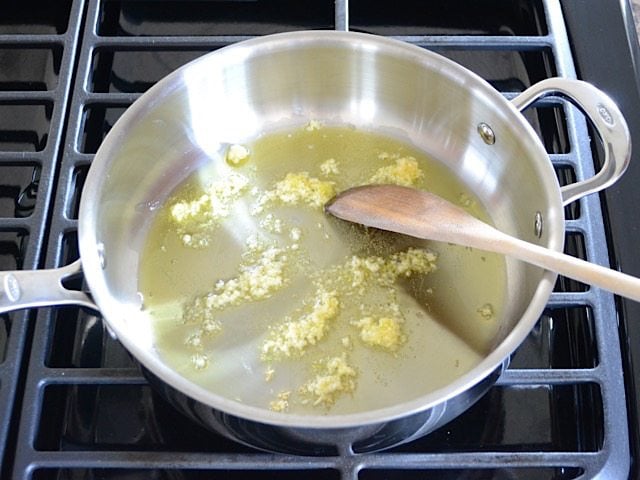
(221, 293)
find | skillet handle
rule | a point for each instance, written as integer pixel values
(607, 120)
(39, 288)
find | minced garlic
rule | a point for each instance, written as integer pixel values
(384, 332)
(183, 211)
(196, 218)
(194, 341)
(296, 189)
(413, 260)
(199, 361)
(295, 234)
(258, 279)
(335, 377)
(405, 172)
(271, 223)
(281, 403)
(269, 374)
(236, 155)
(359, 272)
(486, 311)
(293, 336)
(329, 167)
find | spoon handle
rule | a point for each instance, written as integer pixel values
(588, 273)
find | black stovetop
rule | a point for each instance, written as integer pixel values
(73, 404)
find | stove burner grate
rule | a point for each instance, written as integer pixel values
(84, 409)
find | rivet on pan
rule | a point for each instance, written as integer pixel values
(538, 225)
(12, 288)
(486, 133)
(103, 262)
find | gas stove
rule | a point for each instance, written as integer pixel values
(75, 405)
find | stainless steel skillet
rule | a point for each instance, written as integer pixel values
(238, 92)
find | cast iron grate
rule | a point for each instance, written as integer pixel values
(37, 51)
(556, 413)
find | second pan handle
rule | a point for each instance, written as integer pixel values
(607, 120)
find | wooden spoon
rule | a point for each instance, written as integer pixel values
(425, 215)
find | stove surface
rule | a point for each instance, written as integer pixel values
(74, 404)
